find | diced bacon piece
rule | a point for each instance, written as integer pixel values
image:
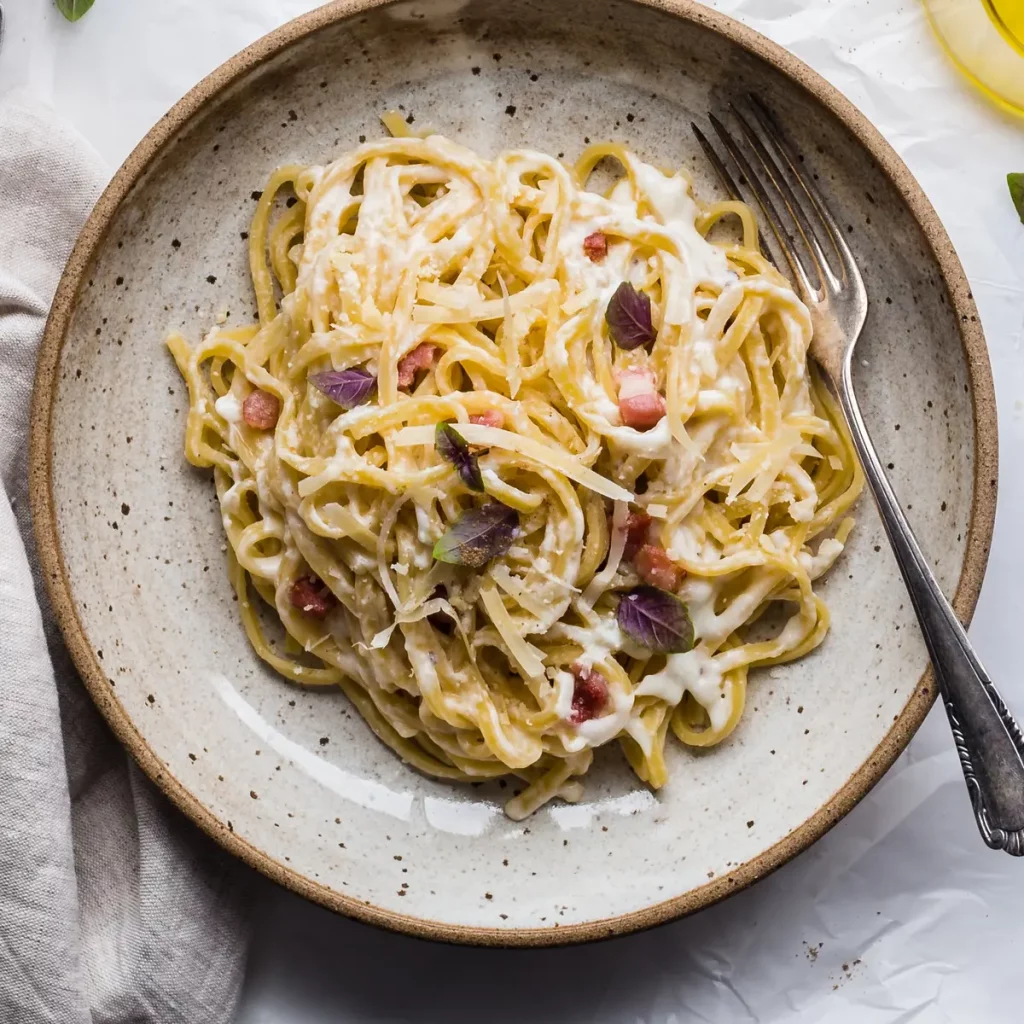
(641, 406)
(312, 596)
(422, 357)
(596, 246)
(655, 567)
(490, 418)
(261, 410)
(637, 524)
(589, 696)
(642, 411)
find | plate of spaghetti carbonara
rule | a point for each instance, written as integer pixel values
(440, 504)
(526, 464)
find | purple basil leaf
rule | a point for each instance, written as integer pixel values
(629, 317)
(656, 619)
(478, 535)
(348, 388)
(452, 447)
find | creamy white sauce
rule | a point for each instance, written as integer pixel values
(644, 740)
(601, 640)
(231, 499)
(425, 532)
(699, 671)
(422, 558)
(670, 199)
(361, 562)
(694, 672)
(565, 685)
(816, 565)
(608, 726)
(268, 501)
(229, 408)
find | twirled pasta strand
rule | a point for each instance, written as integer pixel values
(412, 241)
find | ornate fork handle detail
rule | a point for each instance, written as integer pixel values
(997, 838)
(988, 739)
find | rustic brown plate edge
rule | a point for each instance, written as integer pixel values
(860, 782)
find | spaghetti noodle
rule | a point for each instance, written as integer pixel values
(515, 464)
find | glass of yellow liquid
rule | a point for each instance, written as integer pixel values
(985, 39)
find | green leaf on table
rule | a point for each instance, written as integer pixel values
(74, 9)
(1016, 183)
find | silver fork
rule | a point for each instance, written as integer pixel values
(988, 739)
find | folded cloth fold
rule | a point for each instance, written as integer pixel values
(113, 907)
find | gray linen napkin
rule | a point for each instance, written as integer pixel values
(113, 907)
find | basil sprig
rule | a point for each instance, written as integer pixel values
(1016, 183)
(74, 9)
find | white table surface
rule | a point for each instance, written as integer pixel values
(899, 914)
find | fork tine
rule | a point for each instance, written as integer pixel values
(728, 181)
(774, 133)
(720, 169)
(789, 198)
(785, 240)
(724, 175)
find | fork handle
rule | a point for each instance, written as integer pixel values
(988, 739)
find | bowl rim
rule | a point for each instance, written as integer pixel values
(979, 534)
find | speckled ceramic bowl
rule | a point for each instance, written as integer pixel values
(292, 781)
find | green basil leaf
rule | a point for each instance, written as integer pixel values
(74, 9)
(478, 535)
(1016, 183)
